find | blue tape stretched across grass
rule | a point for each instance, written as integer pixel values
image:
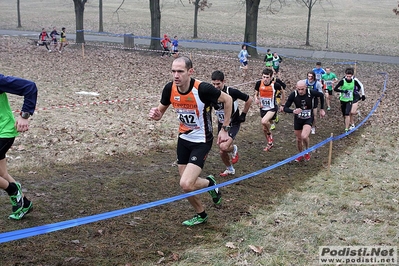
(43, 229)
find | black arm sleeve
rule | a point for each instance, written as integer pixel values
(289, 102)
(279, 81)
(340, 84)
(320, 95)
(167, 91)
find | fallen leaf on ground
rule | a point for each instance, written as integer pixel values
(256, 249)
(230, 245)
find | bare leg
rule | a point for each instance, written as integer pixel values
(5, 178)
(224, 149)
(190, 181)
(353, 113)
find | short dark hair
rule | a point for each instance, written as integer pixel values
(311, 73)
(187, 61)
(267, 71)
(217, 75)
(242, 46)
(349, 70)
(318, 63)
(63, 28)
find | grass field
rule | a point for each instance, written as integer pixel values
(354, 25)
(92, 158)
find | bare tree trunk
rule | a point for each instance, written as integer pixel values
(251, 26)
(19, 15)
(196, 8)
(79, 11)
(100, 13)
(310, 6)
(155, 24)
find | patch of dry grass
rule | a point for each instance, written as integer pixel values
(356, 205)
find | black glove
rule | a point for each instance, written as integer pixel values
(363, 97)
(241, 118)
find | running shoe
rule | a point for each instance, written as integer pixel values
(215, 193)
(352, 127)
(195, 220)
(299, 159)
(234, 156)
(268, 147)
(307, 157)
(228, 172)
(277, 119)
(273, 126)
(21, 213)
(346, 130)
(313, 130)
(17, 200)
(328, 108)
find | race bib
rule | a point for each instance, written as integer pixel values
(266, 103)
(318, 76)
(347, 95)
(220, 115)
(328, 83)
(305, 114)
(188, 118)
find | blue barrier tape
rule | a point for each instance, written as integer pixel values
(43, 229)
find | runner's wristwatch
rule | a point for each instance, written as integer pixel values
(25, 115)
(226, 128)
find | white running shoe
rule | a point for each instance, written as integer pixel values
(313, 130)
(352, 127)
(228, 172)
